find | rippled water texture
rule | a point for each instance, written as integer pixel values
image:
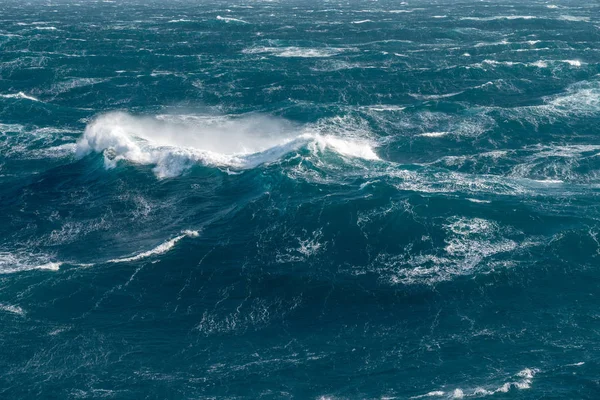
(299, 199)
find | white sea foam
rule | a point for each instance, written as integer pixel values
(479, 201)
(228, 19)
(522, 381)
(580, 99)
(483, 44)
(471, 247)
(435, 393)
(433, 96)
(383, 108)
(158, 250)
(19, 95)
(573, 18)
(350, 148)
(174, 143)
(65, 86)
(433, 134)
(578, 364)
(12, 309)
(12, 262)
(499, 17)
(540, 64)
(299, 52)
(364, 21)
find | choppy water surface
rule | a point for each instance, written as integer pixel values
(263, 199)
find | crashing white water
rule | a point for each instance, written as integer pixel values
(174, 143)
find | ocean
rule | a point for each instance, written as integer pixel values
(299, 199)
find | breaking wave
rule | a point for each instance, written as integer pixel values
(175, 143)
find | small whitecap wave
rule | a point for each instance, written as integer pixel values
(435, 393)
(158, 250)
(9, 308)
(19, 95)
(12, 262)
(433, 96)
(229, 19)
(499, 17)
(578, 364)
(521, 381)
(364, 21)
(573, 18)
(433, 134)
(538, 64)
(65, 86)
(384, 108)
(299, 52)
(479, 201)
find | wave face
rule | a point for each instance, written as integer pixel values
(299, 199)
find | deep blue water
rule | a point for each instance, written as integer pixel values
(299, 199)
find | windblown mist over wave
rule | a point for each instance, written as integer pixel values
(174, 143)
(299, 200)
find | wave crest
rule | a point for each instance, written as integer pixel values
(173, 143)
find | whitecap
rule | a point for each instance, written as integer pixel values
(578, 364)
(158, 250)
(65, 86)
(12, 309)
(174, 143)
(499, 17)
(433, 96)
(479, 201)
(573, 18)
(228, 19)
(299, 52)
(12, 262)
(435, 393)
(524, 379)
(383, 108)
(433, 134)
(19, 95)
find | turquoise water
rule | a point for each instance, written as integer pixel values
(303, 200)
